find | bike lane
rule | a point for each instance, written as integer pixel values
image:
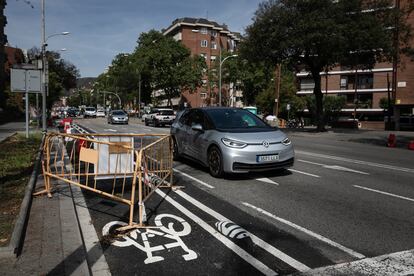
(188, 238)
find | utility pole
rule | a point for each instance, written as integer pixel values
(43, 80)
(278, 73)
(139, 95)
(3, 40)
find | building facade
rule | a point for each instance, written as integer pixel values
(366, 91)
(207, 39)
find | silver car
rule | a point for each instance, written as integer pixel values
(230, 140)
(118, 117)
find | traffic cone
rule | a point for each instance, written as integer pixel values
(392, 141)
(411, 145)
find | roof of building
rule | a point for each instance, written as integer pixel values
(202, 22)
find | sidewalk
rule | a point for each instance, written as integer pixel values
(8, 129)
(60, 239)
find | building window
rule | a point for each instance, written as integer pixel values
(307, 84)
(203, 30)
(364, 81)
(203, 95)
(204, 43)
(213, 45)
(213, 33)
(213, 58)
(344, 82)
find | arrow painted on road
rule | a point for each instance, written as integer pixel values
(267, 180)
(333, 167)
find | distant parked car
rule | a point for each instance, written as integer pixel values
(230, 140)
(89, 112)
(118, 117)
(100, 113)
(72, 112)
(160, 117)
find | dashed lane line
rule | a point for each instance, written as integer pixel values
(384, 193)
(305, 173)
(372, 164)
(227, 242)
(259, 242)
(308, 232)
(333, 167)
(267, 180)
(194, 179)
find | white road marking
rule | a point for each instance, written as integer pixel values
(384, 193)
(399, 263)
(259, 242)
(110, 129)
(378, 165)
(195, 179)
(267, 180)
(308, 232)
(228, 243)
(333, 167)
(305, 173)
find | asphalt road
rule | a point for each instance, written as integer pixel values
(341, 202)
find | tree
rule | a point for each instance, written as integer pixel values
(319, 34)
(168, 64)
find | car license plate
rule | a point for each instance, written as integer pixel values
(267, 158)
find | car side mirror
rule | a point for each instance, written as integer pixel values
(197, 127)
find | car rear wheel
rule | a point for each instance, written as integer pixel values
(146, 122)
(215, 162)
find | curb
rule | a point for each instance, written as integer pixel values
(16, 240)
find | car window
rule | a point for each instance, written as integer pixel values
(118, 113)
(197, 117)
(184, 118)
(234, 119)
(166, 112)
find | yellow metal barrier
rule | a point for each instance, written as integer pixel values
(126, 168)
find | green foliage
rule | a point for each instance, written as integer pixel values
(266, 98)
(168, 64)
(332, 105)
(318, 34)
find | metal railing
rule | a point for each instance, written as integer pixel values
(126, 168)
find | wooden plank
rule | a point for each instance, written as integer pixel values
(120, 147)
(88, 155)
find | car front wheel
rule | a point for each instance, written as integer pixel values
(215, 162)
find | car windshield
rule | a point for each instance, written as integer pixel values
(118, 113)
(166, 112)
(90, 109)
(235, 119)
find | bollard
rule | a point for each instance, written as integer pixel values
(392, 141)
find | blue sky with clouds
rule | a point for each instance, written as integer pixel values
(100, 29)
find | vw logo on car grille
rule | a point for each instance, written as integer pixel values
(265, 144)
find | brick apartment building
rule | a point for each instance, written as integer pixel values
(206, 38)
(371, 87)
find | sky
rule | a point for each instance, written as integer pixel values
(101, 29)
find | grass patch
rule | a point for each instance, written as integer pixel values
(17, 156)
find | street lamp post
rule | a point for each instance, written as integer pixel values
(221, 63)
(44, 66)
(119, 99)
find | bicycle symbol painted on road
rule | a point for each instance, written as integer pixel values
(146, 235)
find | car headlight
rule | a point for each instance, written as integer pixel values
(286, 141)
(233, 144)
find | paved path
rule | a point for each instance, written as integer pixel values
(11, 128)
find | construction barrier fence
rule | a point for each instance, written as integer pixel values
(126, 168)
